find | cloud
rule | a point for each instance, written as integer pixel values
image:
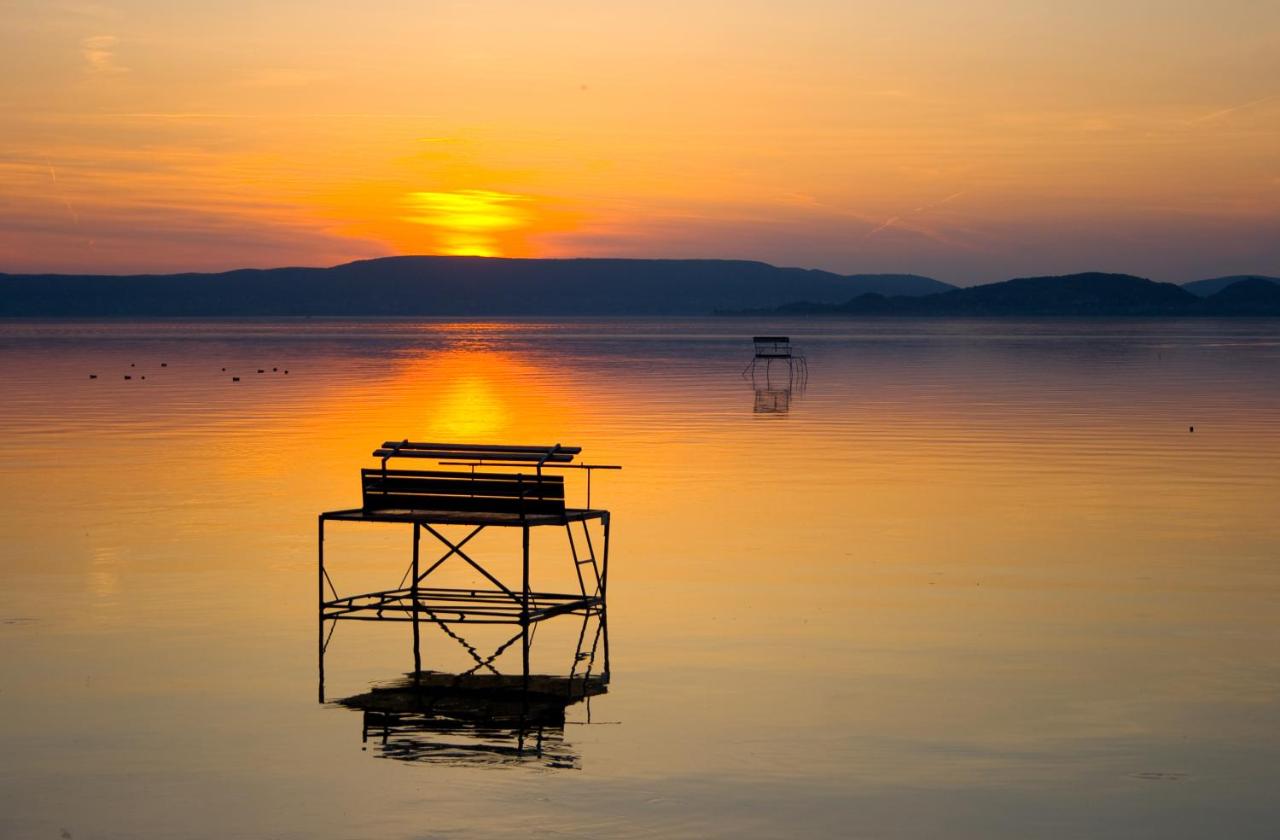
(915, 211)
(146, 235)
(1214, 115)
(100, 56)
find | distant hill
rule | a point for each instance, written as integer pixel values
(449, 286)
(1252, 296)
(1204, 288)
(1072, 294)
(1092, 294)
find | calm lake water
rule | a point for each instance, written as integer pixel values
(974, 579)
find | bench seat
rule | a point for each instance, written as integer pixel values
(456, 517)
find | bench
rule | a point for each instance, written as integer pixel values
(522, 494)
(462, 492)
(538, 455)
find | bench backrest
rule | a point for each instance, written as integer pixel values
(546, 454)
(772, 346)
(517, 493)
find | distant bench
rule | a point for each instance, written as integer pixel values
(772, 346)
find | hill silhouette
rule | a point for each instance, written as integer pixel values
(448, 286)
(1091, 294)
(483, 287)
(1213, 285)
(1072, 294)
(1253, 296)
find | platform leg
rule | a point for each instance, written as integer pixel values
(413, 593)
(524, 677)
(320, 604)
(524, 565)
(604, 632)
(524, 613)
(604, 560)
(604, 585)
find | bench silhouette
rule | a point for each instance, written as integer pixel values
(488, 495)
(460, 492)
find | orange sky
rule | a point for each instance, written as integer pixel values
(969, 141)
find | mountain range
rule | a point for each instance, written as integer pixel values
(1091, 294)
(1213, 285)
(448, 286)
(485, 287)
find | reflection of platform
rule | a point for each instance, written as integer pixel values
(475, 719)
(772, 401)
(481, 715)
(774, 390)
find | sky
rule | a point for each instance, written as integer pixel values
(970, 141)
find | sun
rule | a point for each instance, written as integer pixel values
(469, 222)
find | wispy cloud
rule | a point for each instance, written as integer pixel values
(57, 188)
(915, 211)
(99, 53)
(1243, 106)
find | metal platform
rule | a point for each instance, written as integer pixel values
(457, 606)
(522, 496)
(446, 517)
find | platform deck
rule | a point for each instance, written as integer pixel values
(457, 606)
(454, 517)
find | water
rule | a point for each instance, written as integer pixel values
(976, 579)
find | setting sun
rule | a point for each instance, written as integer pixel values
(468, 223)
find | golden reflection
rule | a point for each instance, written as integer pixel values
(104, 574)
(467, 222)
(461, 392)
(470, 409)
